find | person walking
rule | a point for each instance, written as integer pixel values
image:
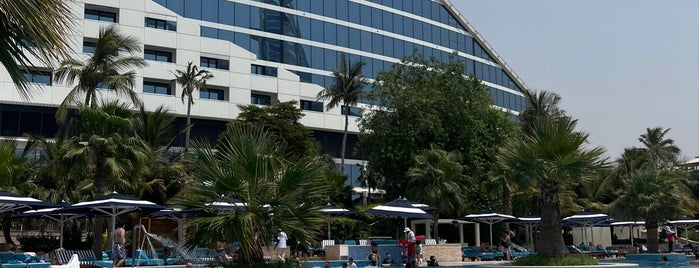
(280, 247)
(670, 234)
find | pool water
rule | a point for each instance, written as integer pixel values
(658, 263)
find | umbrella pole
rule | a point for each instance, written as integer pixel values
(111, 237)
(491, 234)
(686, 235)
(405, 222)
(328, 228)
(61, 239)
(631, 234)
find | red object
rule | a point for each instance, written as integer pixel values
(420, 237)
(403, 243)
(411, 250)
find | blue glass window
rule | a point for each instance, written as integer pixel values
(317, 58)
(263, 70)
(355, 38)
(353, 111)
(242, 15)
(329, 8)
(365, 15)
(377, 43)
(211, 94)
(161, 24)
(88, 47)
(342, 9)
(157, 88)
(177, 6)
(311, 105)
(242, 40)
(303, 5)
(317, 7)
(100, 15)
(206, 62)
(304, 25)
(342, 35)
(355, 9)
(255, 18)
(156, 55)
(38, 77)
(376, 18)
(317, 31)
(210, 8)
(192, 9)
(330, 33)
(260, 99)
(331, 59)
(209, 32)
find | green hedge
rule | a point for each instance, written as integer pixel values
(535, 260)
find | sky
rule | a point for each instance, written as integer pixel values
(620, 66)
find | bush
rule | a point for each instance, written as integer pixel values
(38, 243)
(535, 260)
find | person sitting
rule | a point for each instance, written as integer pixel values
(220, 254)
(374, 255)
(599, 246)
(485, 247)
(432, 261)
(388, 260)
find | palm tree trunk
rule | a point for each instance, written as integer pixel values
(186, 137)
(6, 225)
(99, 185)
(652, 240)
(344, 142)
(506, 202)
(550, 245)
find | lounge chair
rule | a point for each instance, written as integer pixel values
(143, 259)
(430, 241)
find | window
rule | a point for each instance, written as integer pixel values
(312, 105)
(155, 55)
(89, 47)
(260, 99)
(263, 70)
(213, 63)
(157, 88)
(211, 94)
(161, 24)
(92, 14)
(39, 77)
(354, 111)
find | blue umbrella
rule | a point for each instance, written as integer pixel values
(490, 217)
(54, 213)
(331, 210)
(400, 207)
(587, 219)
(14, 202)
(113, 205)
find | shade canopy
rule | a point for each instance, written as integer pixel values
(529, 221)
(587, 219)
(631, 225)
(229, 204)
(330, 210)
(16, 203)
(113, 205)
(686, 223)
(490, 217)
(55, 214)
(400, 208)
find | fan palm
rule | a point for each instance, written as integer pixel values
(248, 164)
(347, 89)
(37, 28)
(662, 151)
(15, 172)
(436, 180)
(105, 140)
(654, 196)
(190, 79)
(542, 104)
(107, 68)
(553, 156)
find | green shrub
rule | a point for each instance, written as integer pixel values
(38, 243)
(535, 260)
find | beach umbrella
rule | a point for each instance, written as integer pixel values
(587, 219)
(228, 204)
(330, 210)
(490, 217)
(687, 223)
(631, 225)
(529, 221)
(402, 208)
(53, 213)
(16, 203)
(113, 205)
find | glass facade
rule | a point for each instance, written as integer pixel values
(378, 32)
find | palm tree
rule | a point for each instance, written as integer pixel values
(37, 28)
(107, 68)
(436, 180)
(653, 196)
(190, 79)
(14, 177)
(347, 89)
(542, 104)
(105, 141)
(248, 164)
(662, 151)
(552, 156)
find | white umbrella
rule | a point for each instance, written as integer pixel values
(630, 224)
(113, 205)
(586, 219)
(54, 214)
(331, 210)
(490, 217)
(529, 220)
(687, 223)
(400, 207)
(14, 202)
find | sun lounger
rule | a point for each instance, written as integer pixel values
(430, 241)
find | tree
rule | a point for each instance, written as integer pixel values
(346, 90)
(107, 68)
(653, 196)
(14, 177)
(37, 28)
(662, 151)
(425, 103)
(436, 180)
(249, 165)
(280, 119)
(104, 139)
(190, 79)
(553, 156)
(540, 105)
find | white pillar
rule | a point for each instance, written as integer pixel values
(461, 233)
(477, 227)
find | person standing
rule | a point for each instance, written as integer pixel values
(670, 234)
(119, 251)
(410, 236)
(351, 264)
(506, 243)
(280, 247)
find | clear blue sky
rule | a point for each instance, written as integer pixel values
(620, 66)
